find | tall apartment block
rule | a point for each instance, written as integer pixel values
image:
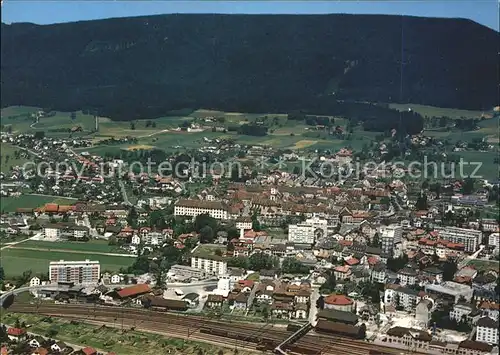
(84, 272)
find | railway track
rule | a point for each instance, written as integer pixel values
(188, 327)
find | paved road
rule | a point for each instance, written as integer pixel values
(466, 260)
(19, 242)
(314, 310)
(31, 152)
(124, 193)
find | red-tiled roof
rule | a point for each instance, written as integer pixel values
(135, 290)
(51, 207)
(16, 331)
(40, 351)
(338, 300)
(352, 261)
(342, 269)
(89, 351)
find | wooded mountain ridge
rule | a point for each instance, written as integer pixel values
(143, 67)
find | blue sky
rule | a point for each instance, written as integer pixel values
(485, 12)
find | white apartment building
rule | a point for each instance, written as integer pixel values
(212, 264)
(301, 233)
(389, 237)
(52, 232)
(490, 225)
(402, 296)
(494, 240)
(194, 208)
(470, 238)
(379, 273)
(463, 311)
(307, 232)
(154, 238)
(84, 272)
(80, 232)
(487, 331)
(244, 223)
(407, 276)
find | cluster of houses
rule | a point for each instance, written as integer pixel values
(19, 341)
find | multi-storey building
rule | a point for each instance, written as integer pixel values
(52, 231)
(184, 271)
(470, 238)
(301, 233)
(464, 312)
(403, 297)
(451, 290)
(194, 208)
(80, 272)
(490, 225)
(494, 240)
(407, 276)
(154, 238)
(389, 237)
(307, 232)
(490, 309)
(244, 223)
(80, 232)
(487, 330)
(212, 264)
(379, 274)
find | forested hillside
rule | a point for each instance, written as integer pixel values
(143, 67)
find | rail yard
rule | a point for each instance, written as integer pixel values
(248, 336)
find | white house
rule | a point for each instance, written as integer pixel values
(136, 240)
(35, 281)
(115, 279)
(58, 347)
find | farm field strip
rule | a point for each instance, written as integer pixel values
(15, 261)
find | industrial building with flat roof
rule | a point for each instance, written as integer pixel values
(450, 289)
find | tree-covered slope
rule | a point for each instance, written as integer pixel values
(145, 66)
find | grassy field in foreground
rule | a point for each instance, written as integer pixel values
(15, 261)
(100, 246)
(11, 204)
(111, 339)
(7, 150)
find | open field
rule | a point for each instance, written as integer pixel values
(11, 204)
(488, 169)
(140, 147)
(111, 339)
(484, 264)
(20, 119)
(209, 249)
(7, 150)
(304, 143)
(90, 246)
(15, 261)
(431, 111)
(283, 134)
